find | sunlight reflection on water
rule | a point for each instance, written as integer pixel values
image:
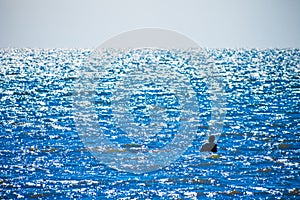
(43, 157)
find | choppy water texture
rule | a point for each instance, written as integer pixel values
(42, 155)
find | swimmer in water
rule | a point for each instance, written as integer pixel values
(211, 146)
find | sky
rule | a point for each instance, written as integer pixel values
(210, 23)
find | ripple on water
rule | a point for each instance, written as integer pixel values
(43, 157)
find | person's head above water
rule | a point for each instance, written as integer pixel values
(210, 146)
(211, 139)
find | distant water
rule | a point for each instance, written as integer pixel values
(42, 155)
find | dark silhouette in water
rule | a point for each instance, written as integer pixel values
(211, 146)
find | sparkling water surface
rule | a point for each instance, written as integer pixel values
(258, 156)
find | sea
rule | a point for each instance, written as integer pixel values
(44, 154)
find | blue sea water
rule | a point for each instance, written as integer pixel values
(43, 157)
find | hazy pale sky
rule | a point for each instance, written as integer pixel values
(210, 23)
